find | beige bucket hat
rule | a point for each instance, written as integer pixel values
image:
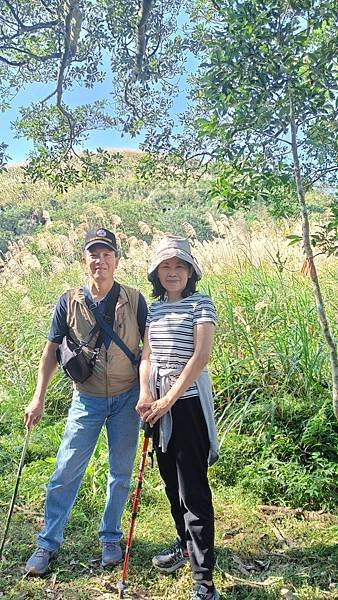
(170, 246)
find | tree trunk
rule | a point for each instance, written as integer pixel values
(322, 318)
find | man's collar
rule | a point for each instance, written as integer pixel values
(80, 297)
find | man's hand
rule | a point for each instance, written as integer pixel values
(47, 366)
(33, 413)
(144, 404)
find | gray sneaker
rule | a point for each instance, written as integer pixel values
(111, 553)
(37, 564)
(171, 559)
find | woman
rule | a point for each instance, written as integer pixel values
(176, 400)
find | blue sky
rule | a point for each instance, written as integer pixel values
(111, 138)
(19, 148)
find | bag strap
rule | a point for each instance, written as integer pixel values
(90, 335)
(108, 329)
(111, 301)
(98, 344)
(97, 347)
(112, 298)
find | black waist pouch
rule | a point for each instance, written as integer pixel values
(73, 361)
(70, 356)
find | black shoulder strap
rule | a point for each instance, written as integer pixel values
(109, 331)
(111, 301)
(92, 332)
(88, 338)
(90, 335)
(109, 316)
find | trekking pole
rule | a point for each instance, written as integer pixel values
(11, 507)
(122, 586)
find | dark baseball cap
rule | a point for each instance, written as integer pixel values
(100, 236)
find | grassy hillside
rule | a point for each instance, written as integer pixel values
(27, 208)
(272, 399)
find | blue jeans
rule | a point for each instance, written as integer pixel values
(86, 417)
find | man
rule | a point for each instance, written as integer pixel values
(108, 397)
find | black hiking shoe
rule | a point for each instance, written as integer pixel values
(171, 559)
(203, 592)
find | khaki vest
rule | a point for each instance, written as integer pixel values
(113, 373)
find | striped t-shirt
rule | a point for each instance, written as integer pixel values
(171, 331)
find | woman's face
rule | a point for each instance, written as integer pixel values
(173, 275)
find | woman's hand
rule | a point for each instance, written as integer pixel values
(144, 403)
(157, 409)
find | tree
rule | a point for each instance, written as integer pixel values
(266, 98)
(64, 43)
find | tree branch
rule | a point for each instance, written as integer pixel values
(12, 63)
(37, 57)
(70, 46)
(153, 52)
(70, 39)
(14, 13)
(130, 104)
(47, 7)
(216, 6)
(30, 28)
(318, 174)
(322, 318)
(48, 97)
(141, 30)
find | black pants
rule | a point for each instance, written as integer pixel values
(184, 471)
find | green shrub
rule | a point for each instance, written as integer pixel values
(320, 433)
(292, 483)
(236, 452)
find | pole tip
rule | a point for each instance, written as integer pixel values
(121, 586)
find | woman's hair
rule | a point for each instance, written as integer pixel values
(159, 291)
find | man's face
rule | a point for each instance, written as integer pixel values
(101, 262)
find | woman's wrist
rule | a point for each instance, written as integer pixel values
(169, 399)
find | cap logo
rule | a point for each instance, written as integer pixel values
(101, 232)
